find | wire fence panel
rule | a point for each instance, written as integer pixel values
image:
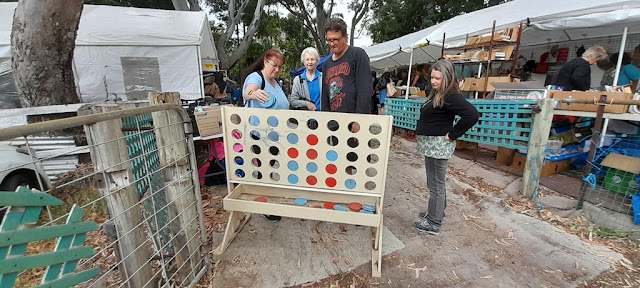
(136, 178)
(614, 183)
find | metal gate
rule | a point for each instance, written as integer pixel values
(138, 182)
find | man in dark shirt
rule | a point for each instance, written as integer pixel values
(576, 74)
(346, 76)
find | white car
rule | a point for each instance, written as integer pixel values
(18, 169)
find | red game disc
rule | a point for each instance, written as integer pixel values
(260, 199)
(332, 169)
(355, 206)
(292, 152)
(312, 139)
(331, 182)
(317, 206)
(329, 205)
(311, 180)
(312, 154)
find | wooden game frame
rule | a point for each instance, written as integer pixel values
(372, 136)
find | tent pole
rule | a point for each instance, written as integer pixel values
(623, 42)
(444, 37)
(479, 75)
(619, 63)
(406, 94)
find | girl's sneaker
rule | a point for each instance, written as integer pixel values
(425, 226)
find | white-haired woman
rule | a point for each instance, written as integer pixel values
(576, 74)
(437, 136)
(306, 87)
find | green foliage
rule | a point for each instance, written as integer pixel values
(287, 34)
(297, 38)
(395, 18)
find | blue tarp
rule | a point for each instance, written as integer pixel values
(299, 71)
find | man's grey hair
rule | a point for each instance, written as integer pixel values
(596, 53)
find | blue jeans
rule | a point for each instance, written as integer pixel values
(436, 173)
(383, 96)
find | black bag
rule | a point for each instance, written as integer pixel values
(219, 177)
(382, 83)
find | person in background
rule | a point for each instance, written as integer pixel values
(305, 91)
(437, 136)
(402, 78)
(374, 92)
(526, 70)
(421, 79)
(346, 75)
(263, 73)
(374, 78)
(576, 74)
(386, 79)
(212, 89)
(629, 74)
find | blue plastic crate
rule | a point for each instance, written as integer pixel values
(635, 204)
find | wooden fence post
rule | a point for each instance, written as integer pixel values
(180, 195)
(537, 145)
(121, 198)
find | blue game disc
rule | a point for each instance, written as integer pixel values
(293, 179)
(339, 208)
(366, 212)
(368, 208)
(300, 201)
(292, 138)
(271, 102)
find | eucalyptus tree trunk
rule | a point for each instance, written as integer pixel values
(42, 41)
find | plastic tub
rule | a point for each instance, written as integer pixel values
(554, 145)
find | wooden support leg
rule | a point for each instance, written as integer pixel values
(376, 252)
(235, 224)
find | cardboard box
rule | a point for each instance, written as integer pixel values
(209, 122)
(519, 162)
(579, 95)
(216, 109)
(471, 84)
(511, 33)
(622, 173)
(508, 52)
(483, 56)
(477, 84)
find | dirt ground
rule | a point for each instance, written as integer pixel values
(489, 239)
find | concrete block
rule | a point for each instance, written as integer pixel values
(492, 177)
(460, 163)
(558, 202)
(514, 189)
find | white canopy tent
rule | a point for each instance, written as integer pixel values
(544, 21)
(124, 52)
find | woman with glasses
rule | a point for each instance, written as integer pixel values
(437, 136)
(306, 87)
(261, 89)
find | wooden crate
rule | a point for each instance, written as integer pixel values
(519, 162)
